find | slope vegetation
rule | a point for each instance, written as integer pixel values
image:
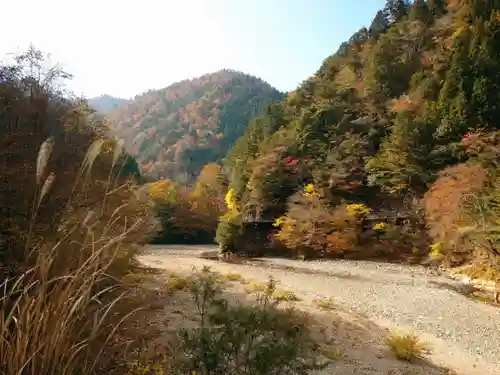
(405, 110)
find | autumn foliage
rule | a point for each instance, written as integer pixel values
(462, 207)
(312, 227)
(403, 119)
(189, 214)
(175, 131)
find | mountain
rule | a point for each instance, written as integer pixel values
(105, 103)
(176, 130)
(406, 111)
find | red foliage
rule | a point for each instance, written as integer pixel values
(289, 161)
(468, 139)
(354, 184)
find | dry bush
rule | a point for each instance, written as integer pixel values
(444, 204)
(70, 224)
(407, 347)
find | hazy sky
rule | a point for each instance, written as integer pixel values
(126, 47)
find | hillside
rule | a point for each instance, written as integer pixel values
(405, 110)
(105, 103)
(176, 130)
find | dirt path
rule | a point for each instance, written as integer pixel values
(463, 333)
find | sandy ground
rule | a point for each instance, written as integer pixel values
(369, 299)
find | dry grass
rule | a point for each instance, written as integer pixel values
(407, 347)
(55, 315)
(285, 295)
(255, 286)
(231, 276)
(331, 351)
(325, 303)
(175, 283)
(71, 235)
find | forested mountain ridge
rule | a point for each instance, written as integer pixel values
(387, 120)
(104, 104)
(176, 130)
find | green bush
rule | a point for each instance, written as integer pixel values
(228, 231)
(242, 339)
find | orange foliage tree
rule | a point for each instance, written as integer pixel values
(311, 227)
(444, 206)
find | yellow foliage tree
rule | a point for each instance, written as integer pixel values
(163, 191)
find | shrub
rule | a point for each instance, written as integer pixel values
(407, 346)
(228, 230)
(238, 339)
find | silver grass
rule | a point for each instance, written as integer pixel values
(46, 186)
(88, 217)
(118, 151)
(92, 153)
(43, 158)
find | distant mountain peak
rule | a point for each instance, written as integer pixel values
(106, 103)
(174, 131)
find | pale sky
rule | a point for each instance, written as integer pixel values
(124, 48)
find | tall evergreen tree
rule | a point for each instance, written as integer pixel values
(396, 10)
(378, 25)
(485, 53)
(437, 7)
(420, 12)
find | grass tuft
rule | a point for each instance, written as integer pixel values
(331, 352)
(255, 286)
(407, 347)
(285, 295)
(231, 276)
(176, 283)
(325, 303)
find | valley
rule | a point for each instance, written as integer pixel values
(322, 222)
(461, 331)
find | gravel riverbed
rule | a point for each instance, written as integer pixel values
(463, 333)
